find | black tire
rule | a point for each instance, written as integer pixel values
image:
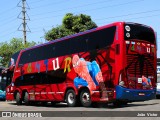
(85, 98)
(18, 99)
(26, 98)
(71, 98)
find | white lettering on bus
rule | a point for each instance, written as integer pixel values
(55, 64)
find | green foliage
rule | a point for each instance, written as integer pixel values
(8, 49)
(71, 24)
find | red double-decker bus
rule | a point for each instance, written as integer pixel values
(113, 63)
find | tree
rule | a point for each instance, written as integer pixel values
(8, 49)
(71, 24)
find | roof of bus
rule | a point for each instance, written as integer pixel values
(81, 33)
(74, 35)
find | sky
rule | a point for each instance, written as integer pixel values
(45, 14)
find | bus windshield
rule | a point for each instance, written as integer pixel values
(2, 80)
(13, 59)
(139, 32)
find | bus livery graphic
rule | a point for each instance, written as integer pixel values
(113, 63)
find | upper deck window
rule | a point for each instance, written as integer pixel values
(81, 43)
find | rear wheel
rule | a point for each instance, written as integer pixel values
(18, 99)
(71, 98)
(26, 98)
(85, 98)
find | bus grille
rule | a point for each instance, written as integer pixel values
(138, 65)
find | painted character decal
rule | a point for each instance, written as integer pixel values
(89, 73)
(146, 81)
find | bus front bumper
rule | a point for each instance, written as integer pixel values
(9, 96)
(134, 94)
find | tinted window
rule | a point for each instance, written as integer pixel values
(101, 38)
(81, 43)
(51, 77)
(140, 32)
(78, 44)
(39, 53)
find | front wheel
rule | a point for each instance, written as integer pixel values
(71, 98)
(18, 99)
(85, 98)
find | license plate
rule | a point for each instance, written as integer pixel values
(139, 80)
(141, 94)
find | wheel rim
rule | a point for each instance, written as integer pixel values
(71, 98)
(85, 97)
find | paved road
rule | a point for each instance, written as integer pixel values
(145, 107)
